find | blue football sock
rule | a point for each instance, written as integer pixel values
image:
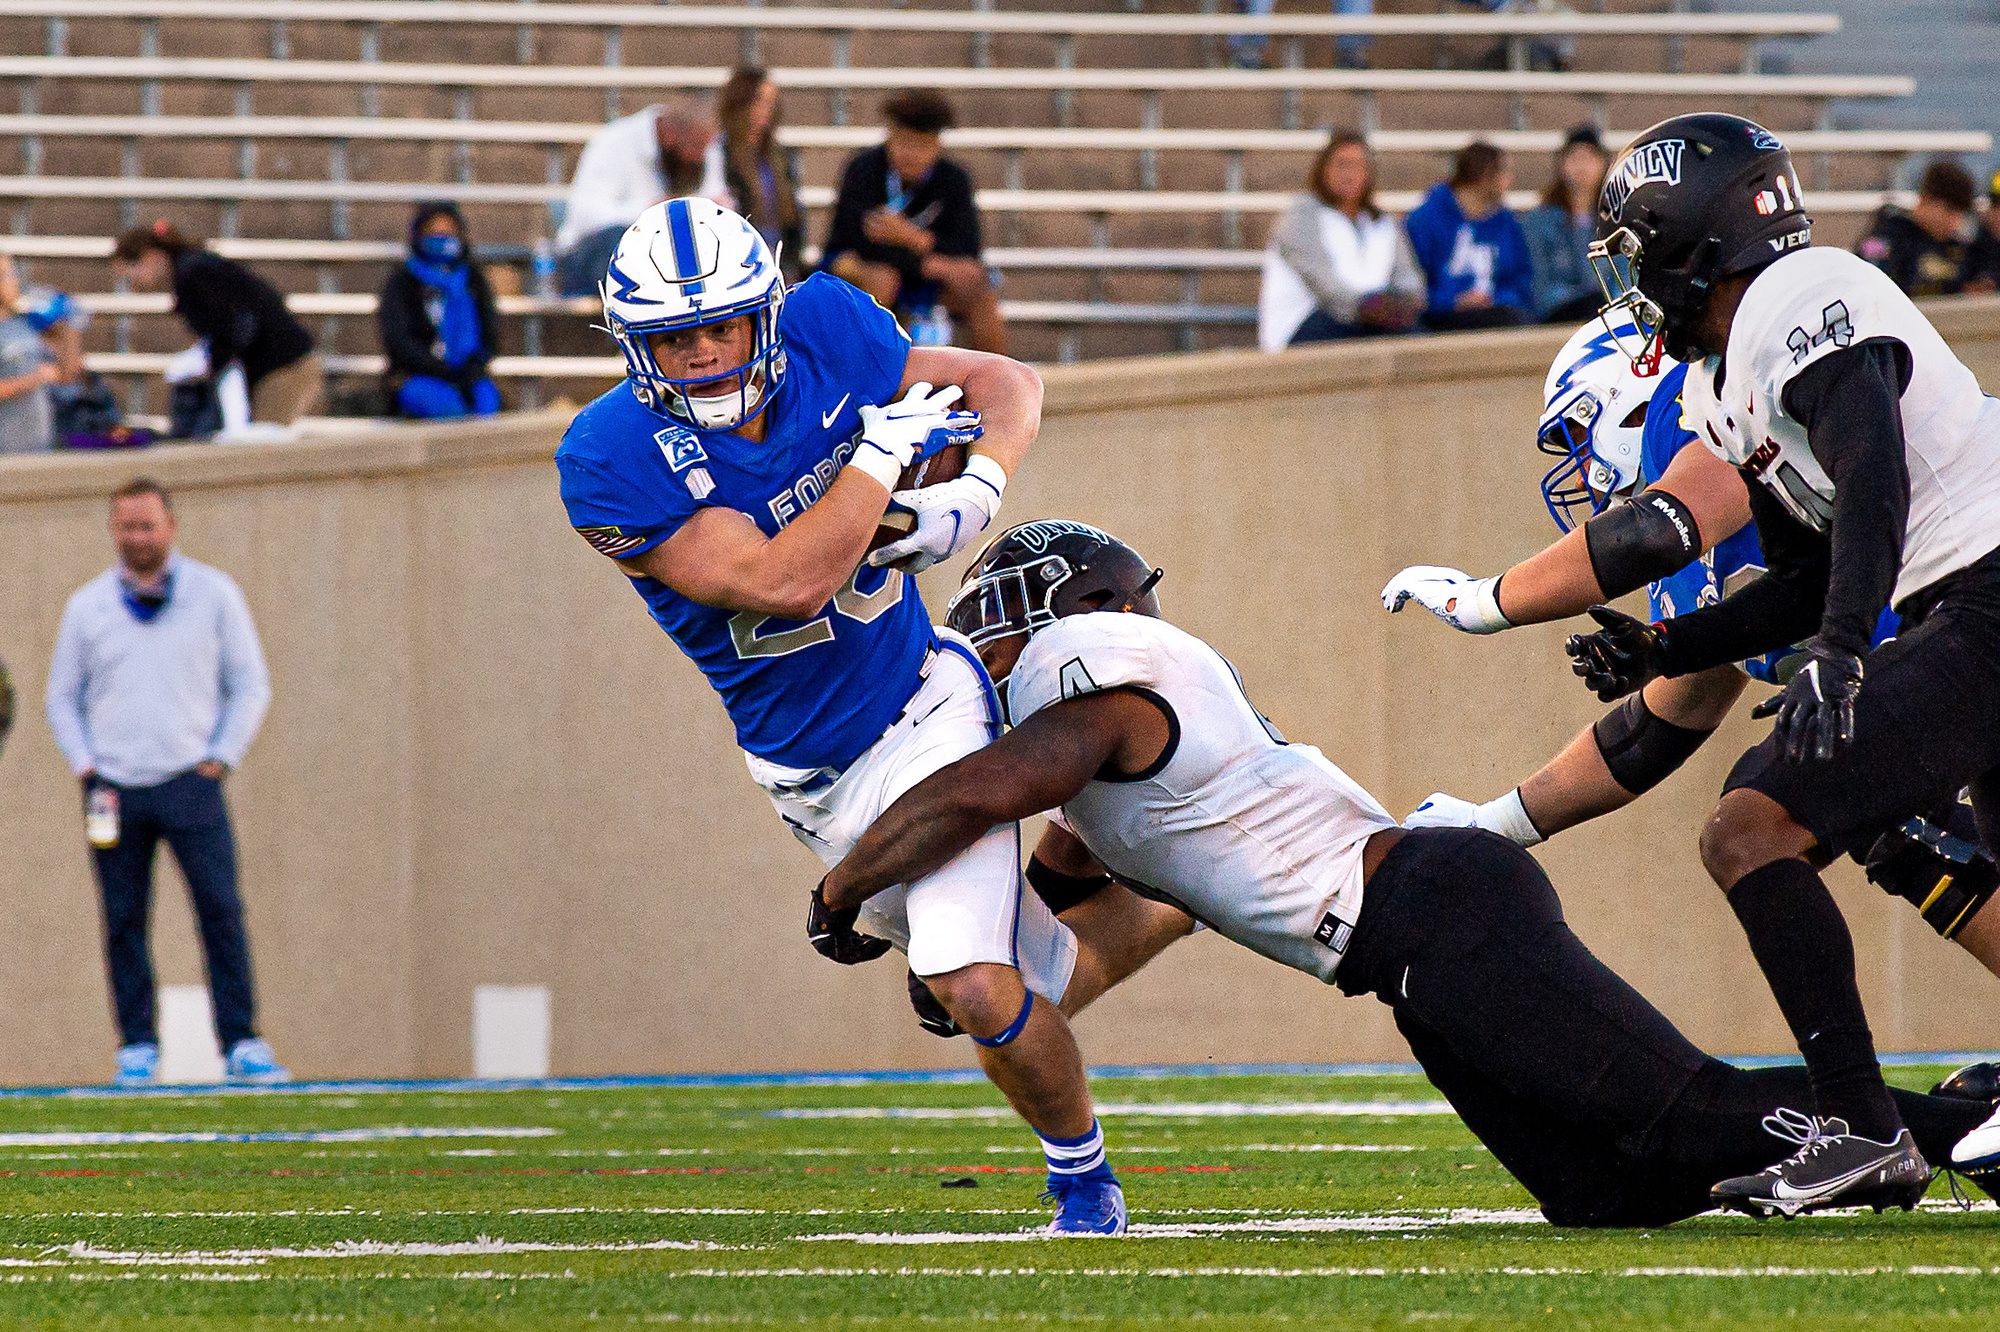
(1078, 1160)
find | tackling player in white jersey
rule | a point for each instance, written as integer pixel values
(737, 477)
(1170, 783)
(1875, 468)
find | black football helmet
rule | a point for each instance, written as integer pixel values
(1693, 200)
(1034, 574)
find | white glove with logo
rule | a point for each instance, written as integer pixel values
(950, 516)
(914, 426)
(1469, 604)
(1506, 816)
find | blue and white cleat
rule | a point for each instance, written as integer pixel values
(252, 1061)
(1096, 1207)
(138, 1064)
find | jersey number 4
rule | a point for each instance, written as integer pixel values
(746, 627)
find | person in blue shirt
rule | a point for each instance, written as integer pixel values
(440, 328)
(1472, 250)
(737, 476)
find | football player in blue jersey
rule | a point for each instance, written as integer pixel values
(1677, 520)
(737, 476)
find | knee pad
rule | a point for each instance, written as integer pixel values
(1641, 749)
(1062, 891)
(1946, 878)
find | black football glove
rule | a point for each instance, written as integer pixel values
(1619, 658)
(833, 935)
(932, 1016)
(1815, 711)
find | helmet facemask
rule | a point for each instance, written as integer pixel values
(746, 389)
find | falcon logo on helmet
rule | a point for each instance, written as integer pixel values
(1594, 421)
(686, 263)
(1036, 573)
(1679, 213)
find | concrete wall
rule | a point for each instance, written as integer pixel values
(485, 764)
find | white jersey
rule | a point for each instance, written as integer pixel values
(1259, 839)
(1807, 306)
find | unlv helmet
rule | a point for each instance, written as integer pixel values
(1036, 573)
(1693, 200)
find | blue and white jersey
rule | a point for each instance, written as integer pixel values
(804, 694)
(1731, 562)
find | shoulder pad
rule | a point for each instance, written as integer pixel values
(1083, 654)
(1806, 307)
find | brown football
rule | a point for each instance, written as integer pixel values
(944, 465)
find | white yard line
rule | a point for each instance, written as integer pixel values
(84, 1251)
(1287, 1273)
(1129, 1109)
(387, 1134)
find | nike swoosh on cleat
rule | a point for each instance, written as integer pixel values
(1785, 1191)
(826, 421)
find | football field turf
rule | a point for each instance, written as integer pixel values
(1331, 1200)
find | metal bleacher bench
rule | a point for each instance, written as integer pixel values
(971, 137)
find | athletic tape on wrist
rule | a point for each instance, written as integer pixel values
(1014, 1028)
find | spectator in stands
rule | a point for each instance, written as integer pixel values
(1561, 229)
(1337, 266)
(1350, 50)
(28, 370)
(906, 228)
(759, 177)
(1474, 257)
(664, 152)
(1982, 262)
(156, 689)
(1924, 250)
(240, 318)
(439, 327)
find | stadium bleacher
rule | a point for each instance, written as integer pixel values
(1127, 173)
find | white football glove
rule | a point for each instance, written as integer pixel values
(950, 516)
(1454, 596)
(1506, 816)
(914, 426)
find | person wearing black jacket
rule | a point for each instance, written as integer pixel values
(438, 323)
(906, 219)
(241, 318)
(1874, 468)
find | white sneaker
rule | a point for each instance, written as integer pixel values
(1980, 1148)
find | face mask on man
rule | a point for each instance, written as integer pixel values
(440, 249)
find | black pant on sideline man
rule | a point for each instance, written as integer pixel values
(188, 812)
(1585, 1092)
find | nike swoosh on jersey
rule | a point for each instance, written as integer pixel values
(826, 421)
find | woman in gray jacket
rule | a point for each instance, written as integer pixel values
(1337, 266)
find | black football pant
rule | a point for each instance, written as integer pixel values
(188, 813)
(1577, 1085)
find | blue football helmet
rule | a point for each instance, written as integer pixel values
(683, 264)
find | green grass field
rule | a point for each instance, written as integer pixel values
(1256, 1201)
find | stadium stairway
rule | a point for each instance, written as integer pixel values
(1128, 176)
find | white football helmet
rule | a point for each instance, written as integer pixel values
(1594, 419)
(685, 263)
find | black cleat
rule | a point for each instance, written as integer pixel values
(1832, 1168)
(1974, 1082)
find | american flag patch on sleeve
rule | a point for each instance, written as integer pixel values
(612, 541)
